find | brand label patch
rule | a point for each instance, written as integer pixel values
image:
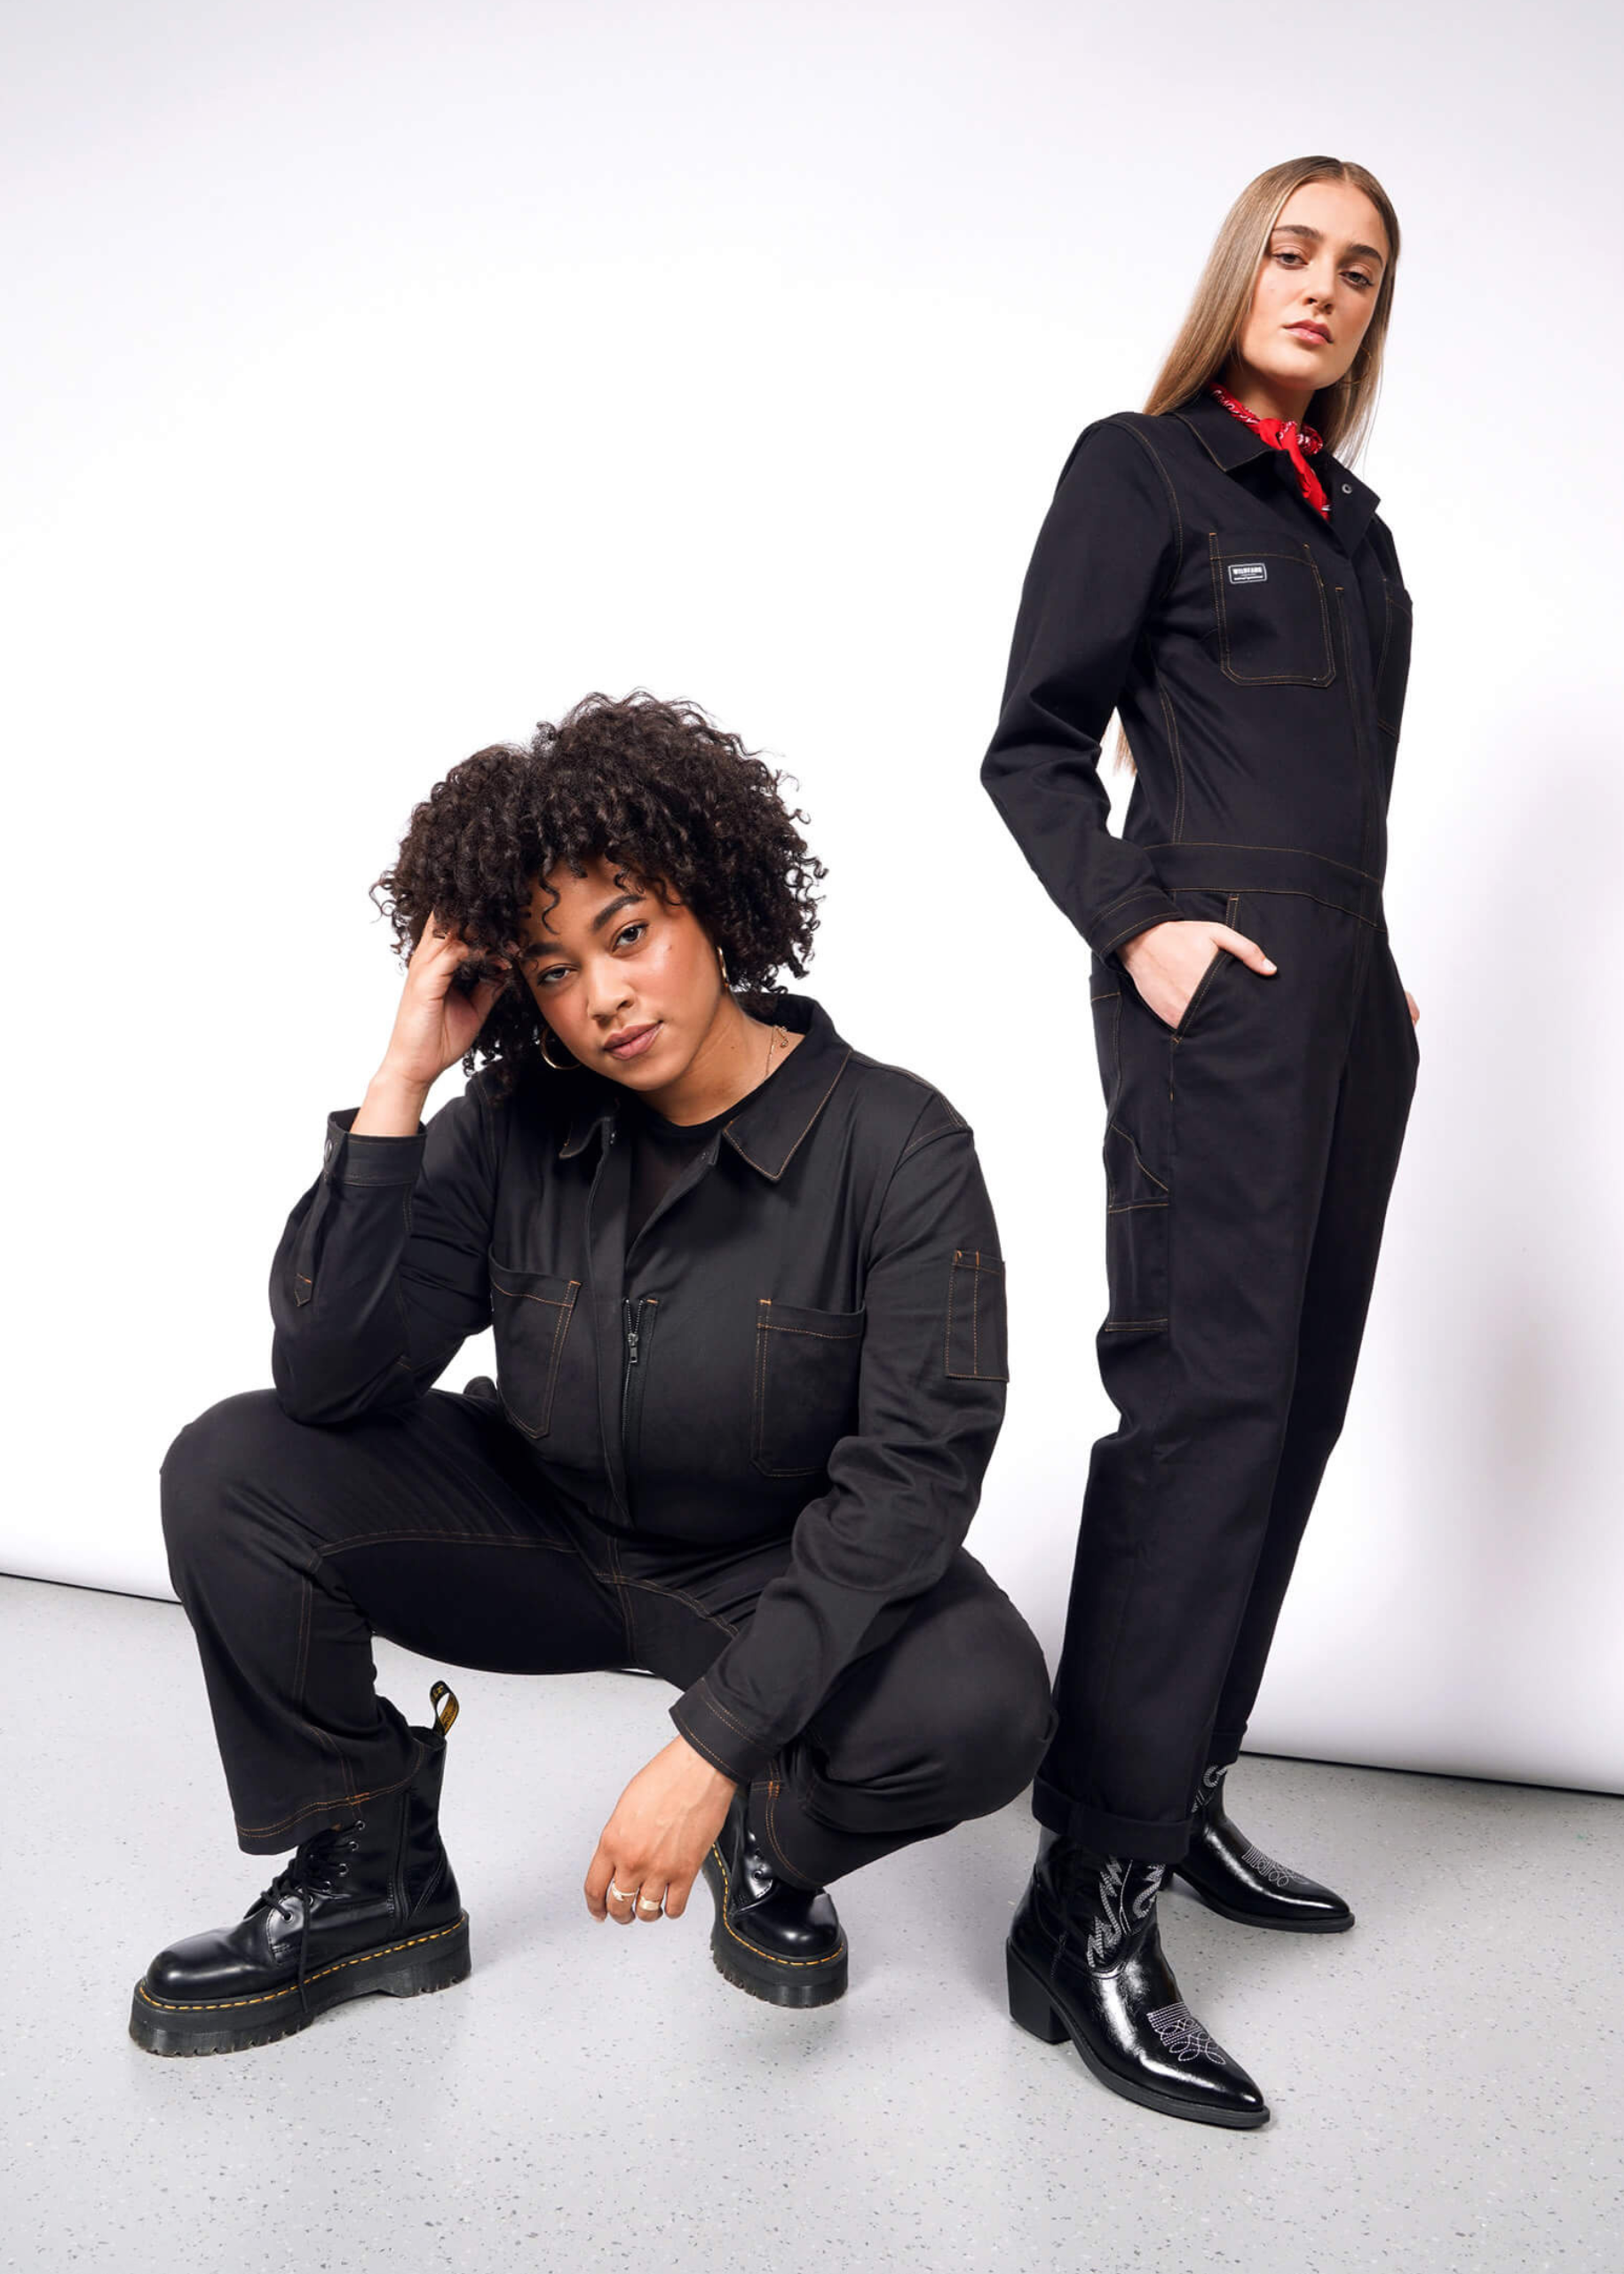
(1249, 572)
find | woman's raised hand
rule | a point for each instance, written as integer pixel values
(436, 1023)
(1165, 961)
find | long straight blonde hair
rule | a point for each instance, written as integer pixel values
(1217, 315)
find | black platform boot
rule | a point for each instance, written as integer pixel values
(369, 1905)
(1085, 1962)
(1236, 1880)
(778, 1942)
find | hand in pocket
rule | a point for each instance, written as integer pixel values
(1165, 961)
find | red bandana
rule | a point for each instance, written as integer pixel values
(1283, 434)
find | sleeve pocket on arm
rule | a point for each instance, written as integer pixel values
(976, 1347)
(304, 1251)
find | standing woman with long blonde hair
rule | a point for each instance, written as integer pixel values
(1212, 571)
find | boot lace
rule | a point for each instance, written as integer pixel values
(316, 1868)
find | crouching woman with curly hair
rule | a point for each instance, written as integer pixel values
(750, 1329)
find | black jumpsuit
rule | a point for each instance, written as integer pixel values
(740, 1447)
(1257, 654)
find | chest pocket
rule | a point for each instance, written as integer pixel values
(531, 1314)
(804, 1395)
(1273, 621)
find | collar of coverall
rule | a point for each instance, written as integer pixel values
(769, 1124)
(1230, 442)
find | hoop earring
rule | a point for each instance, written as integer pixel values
(553, 1063)
(722, 959)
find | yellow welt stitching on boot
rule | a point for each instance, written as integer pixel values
(744, 1941)
(268, 1997)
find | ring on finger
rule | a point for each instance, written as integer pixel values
(621, 1894)
(648, 1910)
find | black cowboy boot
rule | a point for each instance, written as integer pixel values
(1236, 1880)
(778, 1942)
(369, 1905)
(1085, 1962)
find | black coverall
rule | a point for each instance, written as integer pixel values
(743, 1451)
(1257, 654)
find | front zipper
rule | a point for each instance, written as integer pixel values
(611, 1443)
(629, 1315)
(636, 1333)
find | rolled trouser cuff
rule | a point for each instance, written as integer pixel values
(292, 1831)
(1106, 1835)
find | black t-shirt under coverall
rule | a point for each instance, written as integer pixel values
(742, 1448)
(1257, 654)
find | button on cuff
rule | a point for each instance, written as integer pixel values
(348, 1160)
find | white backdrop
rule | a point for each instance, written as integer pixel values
(382, 379)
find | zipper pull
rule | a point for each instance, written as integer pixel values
(631, 1333)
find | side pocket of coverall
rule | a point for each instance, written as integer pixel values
(1136, 1204)
(1105, 1003)
(1136, 1196)
(1221, 907)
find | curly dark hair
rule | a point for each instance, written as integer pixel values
(656, 788)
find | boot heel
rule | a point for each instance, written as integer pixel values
(443, 1960)
(1030, 2004)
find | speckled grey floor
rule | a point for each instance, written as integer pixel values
(1445, 2078)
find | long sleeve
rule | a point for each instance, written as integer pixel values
(904, 1484)
(381, 1272)
(1106, 551)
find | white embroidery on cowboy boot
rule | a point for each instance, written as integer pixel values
(1120, 1913)
(1267, 1868)
(1183, 2035)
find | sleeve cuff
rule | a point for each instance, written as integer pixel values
(347, 1159)
(712, 1731)
(1146, 904)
